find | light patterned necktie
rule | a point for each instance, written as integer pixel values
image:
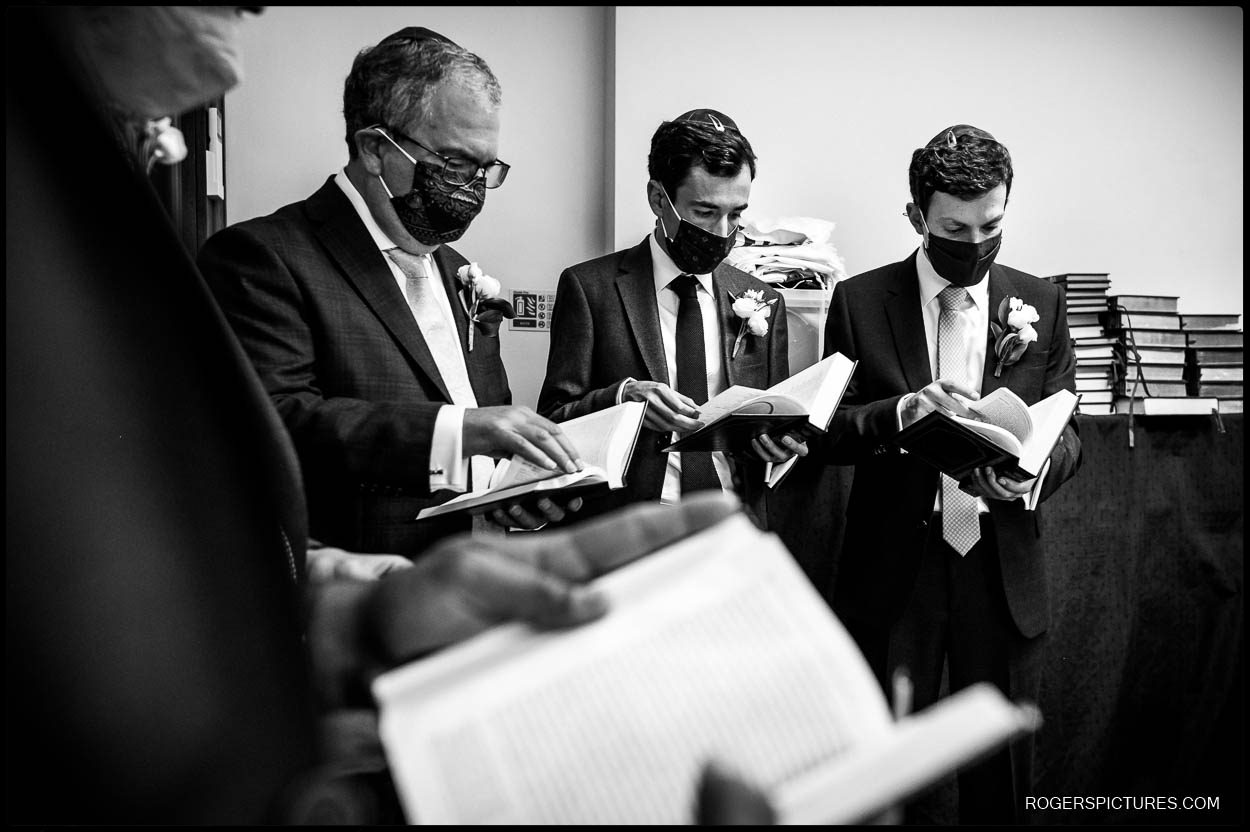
(442, 339)
(961, 524)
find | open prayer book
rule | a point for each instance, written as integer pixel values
(1013, 437)
(605, 439)
(715, 648)
(805, 400)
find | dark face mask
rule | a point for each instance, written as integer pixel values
(436, 211)
(962, 264)
(694, 250)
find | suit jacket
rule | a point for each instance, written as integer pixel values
(606, 327)
(334, 341)
(155, 519)
(876, 319)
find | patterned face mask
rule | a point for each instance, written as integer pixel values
(694, 250)
(435, 211)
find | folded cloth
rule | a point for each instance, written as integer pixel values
(788, 230)
(787, 244)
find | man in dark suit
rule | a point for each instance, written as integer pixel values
(656, 323)
(929, 572)
(355, 314)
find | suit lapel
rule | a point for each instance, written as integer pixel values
(635, 283)
(365, 268)
(906, 321)
(725, 282)
(1000, 287)
(448, 263)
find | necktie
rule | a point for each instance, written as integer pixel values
(697, 471)
(442, 339)
(961, 526)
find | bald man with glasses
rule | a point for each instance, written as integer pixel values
(352, 307)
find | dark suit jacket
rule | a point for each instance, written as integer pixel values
(334, 341)
(876, 319)
(606, 327)
(152, 631)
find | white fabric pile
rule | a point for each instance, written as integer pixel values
(792, 251)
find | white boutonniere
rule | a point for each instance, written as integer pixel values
(479, 295)
(1013, 332)
(751, 307)
(162, 142)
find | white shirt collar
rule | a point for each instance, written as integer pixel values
(931, 283)
(380, 239)
(665, 270)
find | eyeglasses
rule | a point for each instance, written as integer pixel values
(456, 171)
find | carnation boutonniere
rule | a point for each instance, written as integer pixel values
(751, 307)
(161, 142)
(1013, 332)
(480, 296)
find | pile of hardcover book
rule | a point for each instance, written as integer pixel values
(1093, 344)
(1213, 358)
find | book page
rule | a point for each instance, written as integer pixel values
(597, 436)
(1004, 408)
(1050, 415)
(818, 388)
(726, 402)
(717, 647)
(999, 436)
(553, 482)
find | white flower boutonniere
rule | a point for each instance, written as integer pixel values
(751, 307)
(1013, 332)
(480, 297)
(163, 143)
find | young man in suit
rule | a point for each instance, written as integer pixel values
(655, 323)
(350, 306)
(930, 573)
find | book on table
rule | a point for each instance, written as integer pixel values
(1159, 389)
(1221, 389)
(805, 402)
(1154, 355)
(716, 647)
(1207, 373)
(1216, 355)
(1152, 337)
(605, 440)
(1144, 303)
(1211, 321)
(1115, 319)
(1232, 405)
(1213, 338)
(1013, 437)
(1167, 405)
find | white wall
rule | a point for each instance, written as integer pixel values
(284, 132)
(1124, 124)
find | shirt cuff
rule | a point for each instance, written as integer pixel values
(449, 467)
(620, 391)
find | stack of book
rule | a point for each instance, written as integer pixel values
(1092, 344)
(1213, 358)
(1150, 355)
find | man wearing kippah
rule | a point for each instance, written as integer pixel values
(932, 574)
(367, 329)
(655, 323)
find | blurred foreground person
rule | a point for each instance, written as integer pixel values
(168, 660)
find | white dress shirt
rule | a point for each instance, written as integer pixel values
(448, 465)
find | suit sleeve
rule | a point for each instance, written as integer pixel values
(779, 346)
(567, 392)
(1065, 457)
(368, 441)
(859, 427)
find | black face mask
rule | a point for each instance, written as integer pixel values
(694, 250)
(436, 211)
(960, 263)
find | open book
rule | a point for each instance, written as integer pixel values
(716, 648)
(1013, 437)
(733, 418)
(605, 439)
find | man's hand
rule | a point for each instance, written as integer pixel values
(326, 563)
(667, 410)
(991, 486)
(725, 799)
(501, 432)
(938, 396)
(789, 445)
(466, 584)
(533, 514)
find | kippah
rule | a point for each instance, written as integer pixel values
(949, 137)
(709, 118)
(415, 33)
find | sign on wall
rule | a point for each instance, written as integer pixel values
(533, 310)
